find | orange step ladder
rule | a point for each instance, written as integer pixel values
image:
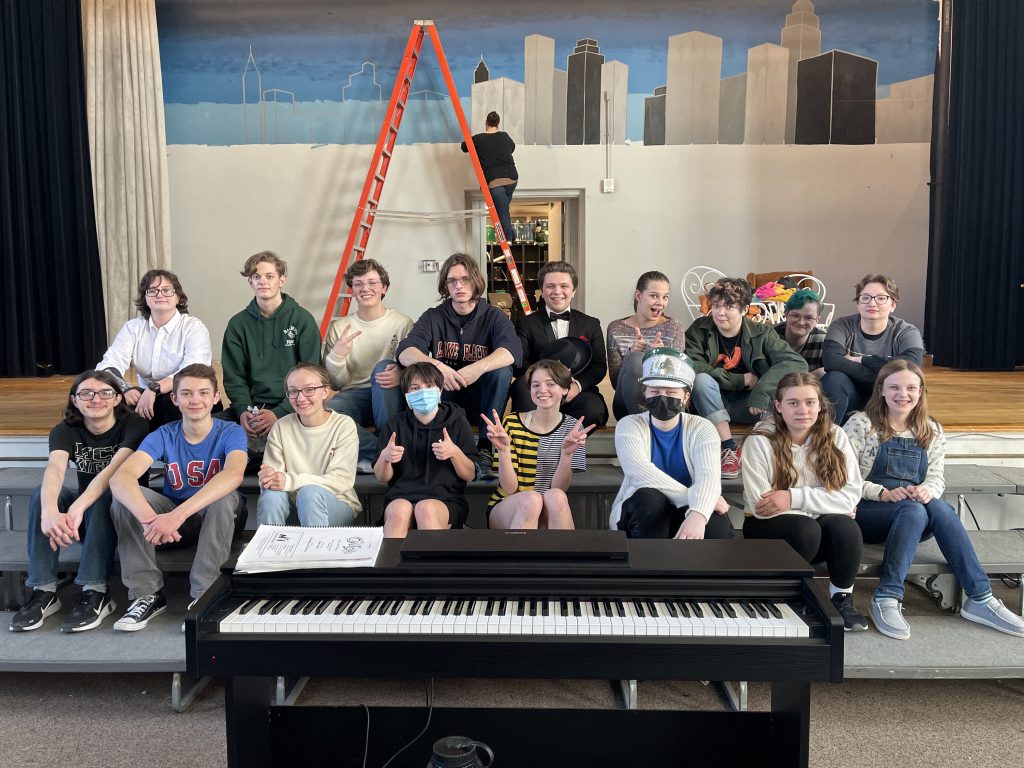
(369, 200)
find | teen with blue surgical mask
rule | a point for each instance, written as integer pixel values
(426, 455)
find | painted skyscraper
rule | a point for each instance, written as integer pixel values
(481, 74)
(538, 81)
(802, 36)
(767, 81)
(836, 94)
(614, 84)
(654, 118)
(501, 95)
(583, 94)
(694, 82)
(559, 90)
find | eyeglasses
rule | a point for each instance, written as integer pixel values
(881, 299)
(151, 292)
(455, 282)
(89, 395)
(307, 392)
(359, 285)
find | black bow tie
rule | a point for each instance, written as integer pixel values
(552, 316)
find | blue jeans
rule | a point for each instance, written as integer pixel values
(96, 532)
(369, 405)
(901, 525)
(845, 394)
(486, 394)
(314, 506)
(717, 406)
(502, 197)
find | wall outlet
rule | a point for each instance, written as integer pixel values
(429, 265)
(607, 185)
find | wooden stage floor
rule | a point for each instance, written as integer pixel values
(962, 401)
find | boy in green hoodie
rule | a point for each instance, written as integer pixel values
(262, 343)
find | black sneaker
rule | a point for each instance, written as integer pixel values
(141, 611)
(484, 462)
(40, 604)
(853, 620)
(90, 610)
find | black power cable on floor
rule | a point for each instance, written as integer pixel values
(428, 686)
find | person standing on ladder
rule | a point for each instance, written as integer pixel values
(495, 148)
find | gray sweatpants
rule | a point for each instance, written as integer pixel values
(139, 570)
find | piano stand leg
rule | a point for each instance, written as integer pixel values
(181, 701)
(736, 693)
(285, 698)
(629, 695)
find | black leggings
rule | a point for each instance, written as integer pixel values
(832, 539)
(648, 514)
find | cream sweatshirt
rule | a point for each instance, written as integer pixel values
(378, 341)
(324, 455)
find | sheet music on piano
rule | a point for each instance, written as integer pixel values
(289, 548)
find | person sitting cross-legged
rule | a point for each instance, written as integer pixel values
(308, 469)
(204, 461)
(671, 485)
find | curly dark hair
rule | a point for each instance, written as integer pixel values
(153, 276)
(731, 290)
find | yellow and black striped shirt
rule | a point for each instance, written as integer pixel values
(535, 456)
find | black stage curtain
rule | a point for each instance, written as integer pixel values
(52, 296)
(976, 250)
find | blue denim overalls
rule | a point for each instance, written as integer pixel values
(900, 463)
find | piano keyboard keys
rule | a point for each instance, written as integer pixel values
(609, 617)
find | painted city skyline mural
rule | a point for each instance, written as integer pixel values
(682, 72)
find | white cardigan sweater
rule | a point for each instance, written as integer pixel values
(701, 450)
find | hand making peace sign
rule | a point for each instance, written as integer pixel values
(496, 432)
(343, 345)
(576, 438)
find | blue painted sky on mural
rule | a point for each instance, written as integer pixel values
(310, 47)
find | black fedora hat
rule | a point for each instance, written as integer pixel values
(572, 352)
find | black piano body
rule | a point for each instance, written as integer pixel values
(665, 571)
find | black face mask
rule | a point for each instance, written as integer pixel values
(664, 407)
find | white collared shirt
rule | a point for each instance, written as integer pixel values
(559, 327)
(155, 352)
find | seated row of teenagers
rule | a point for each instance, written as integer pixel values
(823, 488)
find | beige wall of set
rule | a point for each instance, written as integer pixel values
(842, 211)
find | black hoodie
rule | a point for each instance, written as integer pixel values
(420, 475)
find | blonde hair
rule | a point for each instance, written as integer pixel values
(827, 458)
(877, 410)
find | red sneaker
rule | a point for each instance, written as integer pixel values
(730, 463)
